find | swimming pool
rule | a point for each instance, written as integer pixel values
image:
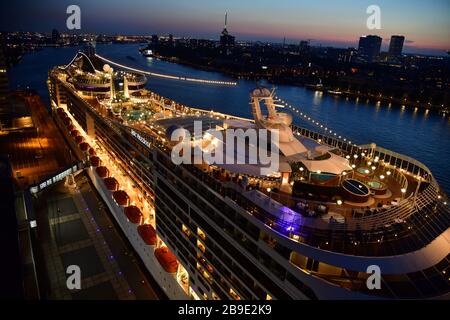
(377, 187)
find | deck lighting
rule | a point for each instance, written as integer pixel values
(381, 177)
(339, 202)
(373, 167)
(403, 190)
(388, 173)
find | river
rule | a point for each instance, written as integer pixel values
(425, 137)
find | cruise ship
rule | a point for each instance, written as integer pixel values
(311, 229)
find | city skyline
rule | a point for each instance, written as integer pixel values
(424, 25)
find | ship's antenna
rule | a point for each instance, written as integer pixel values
(226, 16)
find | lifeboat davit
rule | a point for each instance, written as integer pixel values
(111, 183)
(166, 259)
(121, 197)
(147, 233)
(102, 171)
(133, 214)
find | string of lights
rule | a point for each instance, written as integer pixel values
(305, 117)
(166, 76)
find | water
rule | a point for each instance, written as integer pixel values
(424, 137)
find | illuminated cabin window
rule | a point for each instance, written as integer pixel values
(201, 246)
(234, 295)
(185, 230)
(268, 297)
(201, 234)
(203, 272)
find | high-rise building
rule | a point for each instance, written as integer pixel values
(369, 47)
(226, 40)
(396, 45)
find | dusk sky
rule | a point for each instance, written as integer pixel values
(426, 24)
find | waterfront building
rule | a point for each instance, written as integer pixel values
(396, 46)
(369, 47)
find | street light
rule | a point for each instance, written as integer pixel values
(403, 190)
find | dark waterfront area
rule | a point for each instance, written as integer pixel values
(423, 136)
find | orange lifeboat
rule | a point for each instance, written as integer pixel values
(84, 146)
(92, 152)
(74, 133)
(121, 197)
(95, 161)
(147, 233)
(133, 214)
(71, 127)
(166, 259)
(102, 171)
(111, 183)
(79, 139)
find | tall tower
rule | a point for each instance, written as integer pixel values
(225, 25)
(226, 40)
